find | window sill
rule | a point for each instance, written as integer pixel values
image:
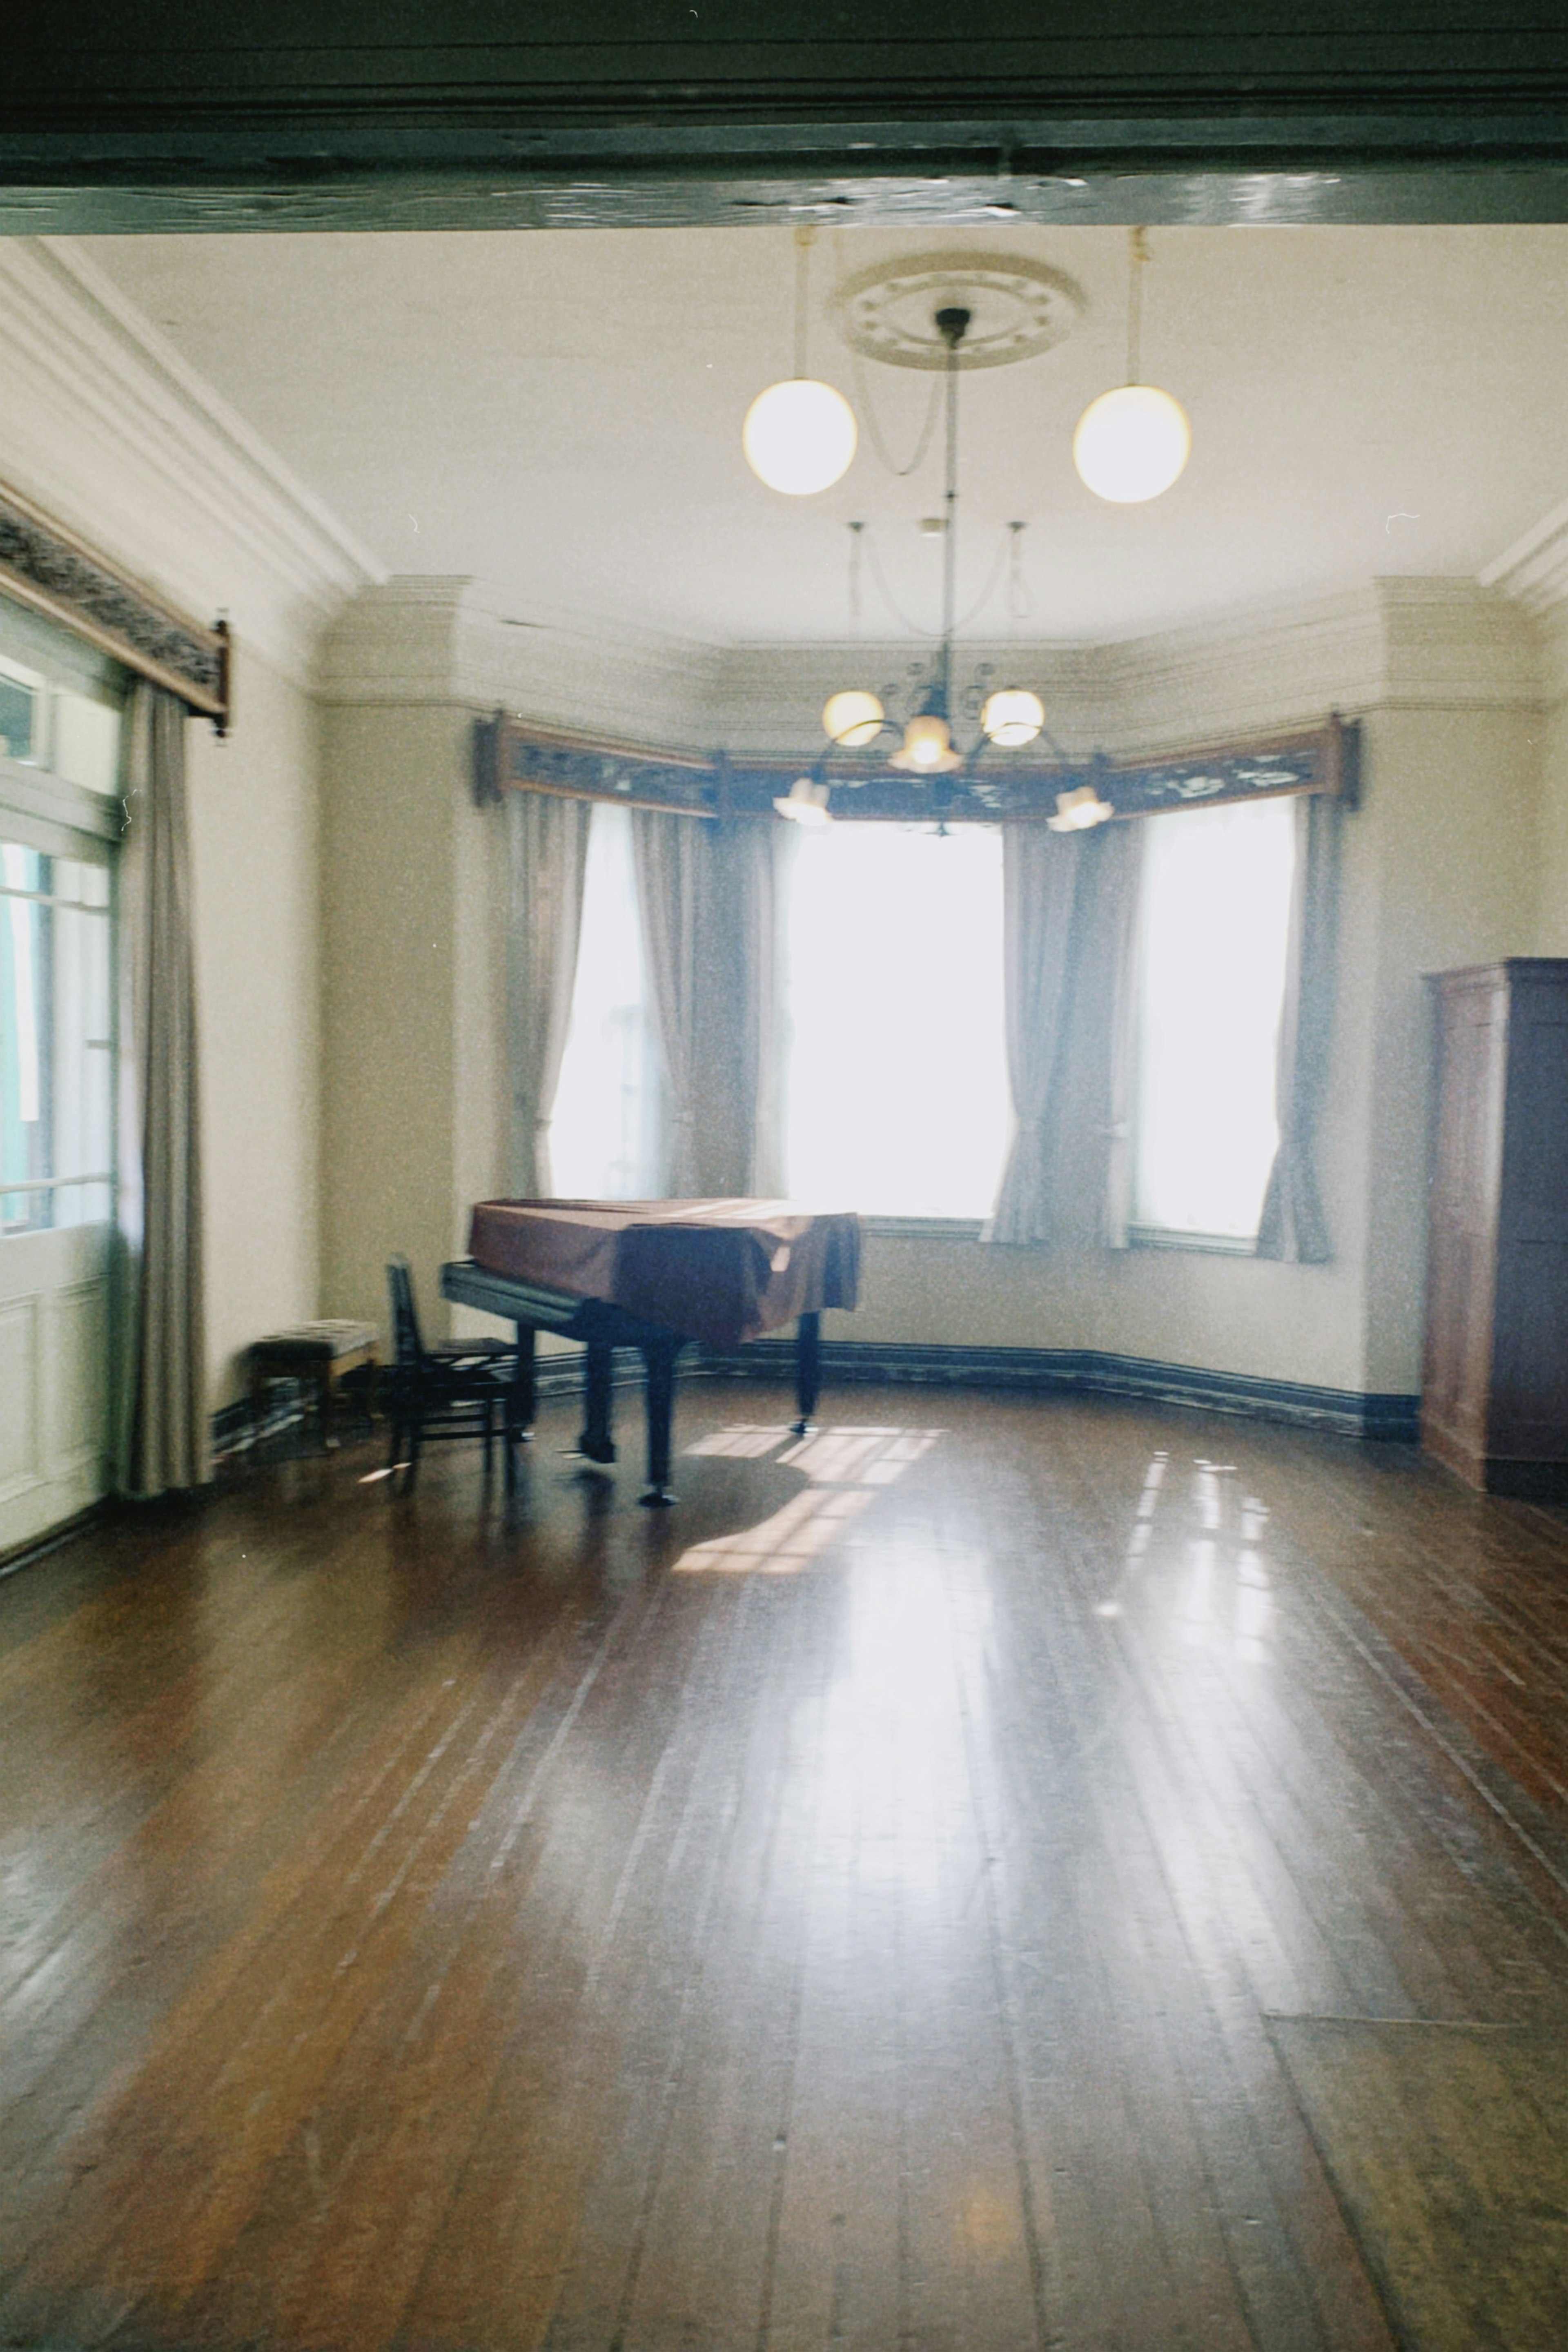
(1210, 1245)
(923, 1229)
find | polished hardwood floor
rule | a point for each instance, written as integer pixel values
(843, 1911)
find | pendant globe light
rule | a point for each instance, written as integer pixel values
(799, 435)
(1132, 444)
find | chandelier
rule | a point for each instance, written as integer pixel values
(944, 311)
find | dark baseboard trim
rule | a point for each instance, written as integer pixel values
(1060, 1371)
(1344, 1413)
(1527, 1482)
(36, 1547)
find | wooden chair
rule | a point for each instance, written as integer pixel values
(450, 1388)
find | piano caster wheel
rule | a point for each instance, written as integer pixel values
(658, 1498)
(801, 1428)
(601, 1450)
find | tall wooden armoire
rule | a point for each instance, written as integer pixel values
(1494, 1403)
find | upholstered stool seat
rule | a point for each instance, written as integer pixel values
(321, 1354)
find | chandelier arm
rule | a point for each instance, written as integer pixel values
(863, 392)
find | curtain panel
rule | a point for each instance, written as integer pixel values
(547, 855)
(672, 862)
(1120, 872)
(1040, 898)
(739, 1144)
(1292, 1226)
(162, 1432)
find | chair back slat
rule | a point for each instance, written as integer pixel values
(407, 1339)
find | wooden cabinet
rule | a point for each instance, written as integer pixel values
(1494, 1403)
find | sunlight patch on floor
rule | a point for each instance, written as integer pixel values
(846, 1467)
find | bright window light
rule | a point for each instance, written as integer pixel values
(605, 1139)
(897, 1088)
(57, 1147)
(1214, 925)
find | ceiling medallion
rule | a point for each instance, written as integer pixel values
(1017, 308)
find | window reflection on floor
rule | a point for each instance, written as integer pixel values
(1217, 1578)
(846, 1467)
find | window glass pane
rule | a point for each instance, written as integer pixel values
(896, 1093)
(87, 742)
(1214, 927)
(606, 1139)
(56, 1040)
(61, 701)
(21, 713)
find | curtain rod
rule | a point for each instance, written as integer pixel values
(49, 568)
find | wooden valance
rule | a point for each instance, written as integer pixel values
(45, 567)
(511, 756)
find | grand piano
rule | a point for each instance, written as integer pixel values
(656, 1275)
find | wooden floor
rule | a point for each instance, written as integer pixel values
(843, 1911)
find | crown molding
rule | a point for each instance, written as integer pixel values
(1397, 643)
(110, 431)
(418, 638)
(1533, 571)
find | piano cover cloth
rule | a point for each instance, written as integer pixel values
(718, 1271)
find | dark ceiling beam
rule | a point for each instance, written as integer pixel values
(312, 113)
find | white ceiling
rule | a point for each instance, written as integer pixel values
(557, 414)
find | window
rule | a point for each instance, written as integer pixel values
(896, 1095)
(607, 1134)
(56, 1041)
(1214, 925)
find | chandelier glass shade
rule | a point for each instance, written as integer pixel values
(1012, 715)
(806, 802)
(853, 719)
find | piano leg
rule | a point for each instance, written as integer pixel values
(659, 1356)
(596, 1441)
(807, 1369)
(520, 1405)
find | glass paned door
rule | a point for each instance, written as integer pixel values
(57, 1174)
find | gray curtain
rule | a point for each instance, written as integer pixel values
(672, 857)
(1292, 1226)
(1121, 865)
(547, 853)
(163, 1433)
(756, 882)
(1039, 892)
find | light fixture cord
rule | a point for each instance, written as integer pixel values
(804, 240)
(918, 628)
(866, 406)
(856, 538)
(1138, 259)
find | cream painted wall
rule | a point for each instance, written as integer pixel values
(254, 853)
(1454, 821)
(413, 1122)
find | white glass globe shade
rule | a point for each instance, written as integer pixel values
(799, 437)
(1132, 444)
(853, 720)
(1013, 715)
